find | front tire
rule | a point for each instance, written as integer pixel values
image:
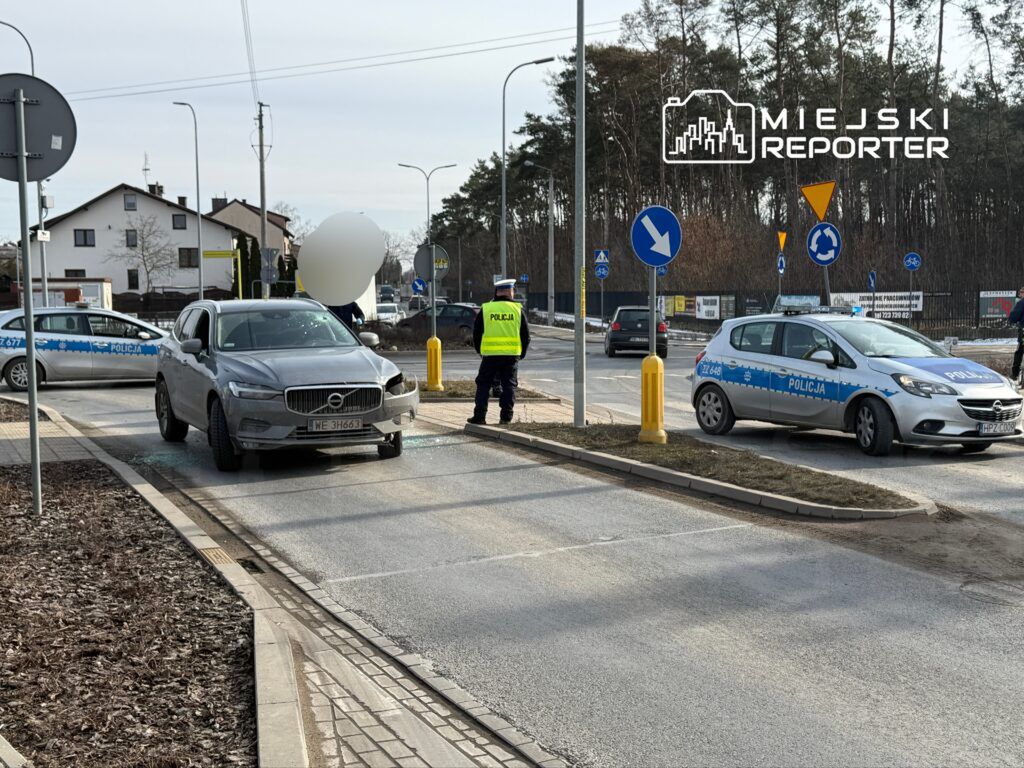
(225, 456)
(974, 447)
(16, 374)
(171, 429)
(874, 427)
(391, 449)
(714, 413)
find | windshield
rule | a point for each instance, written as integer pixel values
(282, 329)
(885, 340)
(387, 309)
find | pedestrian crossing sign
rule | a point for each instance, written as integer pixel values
(600, 257)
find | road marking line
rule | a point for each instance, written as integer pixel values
(529, 554)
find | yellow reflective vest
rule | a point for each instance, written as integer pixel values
(501, 329)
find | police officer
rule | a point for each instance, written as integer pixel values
(501, 337)
(1017, 318)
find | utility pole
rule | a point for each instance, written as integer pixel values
(263, 205)
(460, 269)
(579, 386)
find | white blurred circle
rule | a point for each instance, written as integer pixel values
(340, 257)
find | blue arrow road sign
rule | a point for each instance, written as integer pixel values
(601, 257)
(781, 264)
(912, 261)
(662, 270)
(601, 271)
(524, 278)
(872, 280)
(656, 236)
(419, 285)
(824, 244)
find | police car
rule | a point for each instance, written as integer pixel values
(79, 342)
(879, 380)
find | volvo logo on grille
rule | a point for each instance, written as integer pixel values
(335, 399)
(997, 406)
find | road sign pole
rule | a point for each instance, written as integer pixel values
(26, 271)
(579, 385)
(652, 376)
(828, 293)
(910, 302)
(551, 248)
(602, 303)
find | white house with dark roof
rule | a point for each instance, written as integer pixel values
(83, 239)
(245, 217)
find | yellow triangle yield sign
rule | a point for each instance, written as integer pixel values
(819, 196)
(782, 241)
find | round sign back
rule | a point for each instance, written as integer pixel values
(50, 130)
(421, 262)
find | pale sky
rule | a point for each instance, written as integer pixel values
(337, 137)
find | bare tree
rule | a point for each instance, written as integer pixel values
(152, 252)
(297, 224)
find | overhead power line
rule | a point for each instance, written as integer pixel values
(247, 30)
(185, 83)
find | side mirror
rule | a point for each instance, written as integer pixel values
(191, 347)
(370, 339)
(826, 356)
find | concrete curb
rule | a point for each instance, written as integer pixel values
(10, 757)
(281, 738)
(678, 479)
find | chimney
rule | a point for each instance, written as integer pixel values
(156, 189)
(218, 202)
(183, 201)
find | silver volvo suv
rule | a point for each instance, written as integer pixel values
(284, 373)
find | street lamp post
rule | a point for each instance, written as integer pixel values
(504, 193)
(199, 214)
(43, 283)
(433, 343)
(551, 239)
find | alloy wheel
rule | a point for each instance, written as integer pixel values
(19, 374)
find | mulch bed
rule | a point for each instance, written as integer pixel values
(743, 468)
(118, 645)
(11, 411)
(463, 388)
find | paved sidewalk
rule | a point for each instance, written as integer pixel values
(454, 414)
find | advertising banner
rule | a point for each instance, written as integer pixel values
(889, 305)
(995, 305)
(708, 307)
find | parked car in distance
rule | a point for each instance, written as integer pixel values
(389, 314)
(387, 293)
(418, 303)
(455, 319)
(285, 373)
(879, 380)
(627, 332)
(78, 343)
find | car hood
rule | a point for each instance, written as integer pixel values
(302, 367)
(956, 371)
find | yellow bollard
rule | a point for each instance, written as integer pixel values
(652, 401)
(434, 365)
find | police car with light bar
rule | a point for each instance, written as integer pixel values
(78, 343)
(879, 380)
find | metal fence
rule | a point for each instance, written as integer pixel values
(964, 314)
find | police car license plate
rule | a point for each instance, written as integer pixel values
(997, 428)
(635, 339)
(333, 425)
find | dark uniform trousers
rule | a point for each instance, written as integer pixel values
(1018, 354)
(502, 368)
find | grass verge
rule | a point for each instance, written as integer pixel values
(121, 648)
(743, 468)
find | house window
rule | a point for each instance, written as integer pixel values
(188, 258)
(178, 221)
(74, 273)
(133, 279)
(131, 238)
(130, 202)
(85, 238)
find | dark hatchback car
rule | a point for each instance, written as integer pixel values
(452, 320)
(628, 332)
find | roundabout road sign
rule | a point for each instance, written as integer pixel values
(656, 236)
(824, 244)
(912, 261)
(662, 270)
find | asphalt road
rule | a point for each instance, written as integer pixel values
(988, 483)
(615, 624)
